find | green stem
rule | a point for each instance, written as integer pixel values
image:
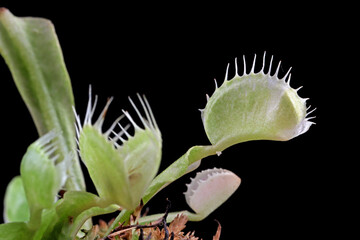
(35, 218)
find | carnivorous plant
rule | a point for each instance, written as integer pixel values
(48, 200)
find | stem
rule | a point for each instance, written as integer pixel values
(35, 218)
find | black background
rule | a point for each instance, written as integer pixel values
(172, 53)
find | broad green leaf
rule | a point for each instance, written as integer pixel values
(106, 167)
(255, 106)
(15, 231)
(31, 50)
(121, 171)
(16, 208)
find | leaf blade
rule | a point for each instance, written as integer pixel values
(16, 208)
(31, 50)
(15, 231)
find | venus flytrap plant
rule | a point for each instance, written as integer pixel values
(123, 167)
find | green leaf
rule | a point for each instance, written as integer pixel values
(255, 106)
(106, 168)
(16, 208)
(121, 172)
(31, 50)
(15, 231)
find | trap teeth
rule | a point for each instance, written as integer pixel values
(209, 189)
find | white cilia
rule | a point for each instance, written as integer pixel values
(255, 106)
(121, 169)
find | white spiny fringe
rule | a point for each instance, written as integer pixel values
(48, 145)
(77, 121)
(148, 121)
(277, 69)
(110, 130)
(263, 64)
(99, 122)
(216, 84)
(236, 68)
(123, 130)
(286, 75)
(138, 112)
(244, 62)
(285, 79)
(117, 136)
(270, 65)
(253, 66)
(227, 71)
(47, 138)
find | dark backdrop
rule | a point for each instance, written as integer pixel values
(172, 54)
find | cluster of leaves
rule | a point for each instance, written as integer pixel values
(123, 167)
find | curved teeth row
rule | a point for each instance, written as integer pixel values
(286, 79)
(49, 145)
(148, 121)
(209, 189)
(201, 177)
(252, 70)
